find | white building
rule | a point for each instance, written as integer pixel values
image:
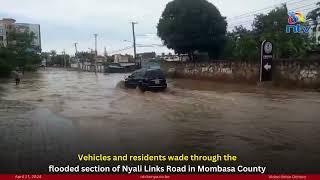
(119, 58)
(315, 32)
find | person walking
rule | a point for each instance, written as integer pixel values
(17, 76)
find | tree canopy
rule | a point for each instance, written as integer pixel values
(244, 44)
(187, 26)
(18, 53)
(314, 15)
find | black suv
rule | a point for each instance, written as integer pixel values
(147, 79)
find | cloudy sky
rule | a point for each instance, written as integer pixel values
(64, 22)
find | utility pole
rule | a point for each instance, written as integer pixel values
(78, 62)
(95, 38)
(134, 41)
(75, 46)
(105, 52)
(64, 58)
(96, 53)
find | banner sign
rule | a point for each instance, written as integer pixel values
(159, 177)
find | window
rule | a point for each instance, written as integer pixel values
(318, 28)
(154, 74)
(1, 37)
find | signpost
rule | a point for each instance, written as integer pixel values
(266, 61)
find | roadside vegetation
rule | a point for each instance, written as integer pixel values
(54, 59)
(189, 26)
(193, 27)
(18, 53)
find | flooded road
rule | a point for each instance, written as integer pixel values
(55, 114)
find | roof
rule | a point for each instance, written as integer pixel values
(8, 19)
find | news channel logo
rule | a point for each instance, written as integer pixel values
(296, 21)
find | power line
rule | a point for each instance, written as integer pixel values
(123, 49)
(251, 14)
(297, 8)
(235, 23)
(312, 4)
(147, 34)
(138, 45)
(150, 45)
(254, 12)
(243, 22)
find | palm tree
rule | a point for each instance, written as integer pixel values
(53, 53)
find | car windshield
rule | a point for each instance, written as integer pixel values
(154, 74)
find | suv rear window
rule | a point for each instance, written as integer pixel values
(154, 74)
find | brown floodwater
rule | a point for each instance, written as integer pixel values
(55, 114)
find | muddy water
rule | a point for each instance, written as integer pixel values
(55, 114)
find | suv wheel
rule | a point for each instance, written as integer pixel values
(142, 88)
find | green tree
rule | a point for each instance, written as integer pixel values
(229, 48)
(18, 53)
(241, 45)
(314, 16)
(245, 44)
(45, 55)
(272, 27)
(53, 53)
(7, 61)
(192, 25)
(55, 59)
(85, 57)
(246, 47)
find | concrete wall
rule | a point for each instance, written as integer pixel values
(297, 73)
(285, 73)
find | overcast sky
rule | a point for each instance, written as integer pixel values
(64, 22)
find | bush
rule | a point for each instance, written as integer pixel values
(5, 69)
(30, 67)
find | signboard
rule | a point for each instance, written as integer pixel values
(266, 61)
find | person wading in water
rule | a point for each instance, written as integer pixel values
(17, 76)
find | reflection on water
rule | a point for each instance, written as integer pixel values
(68, 111)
